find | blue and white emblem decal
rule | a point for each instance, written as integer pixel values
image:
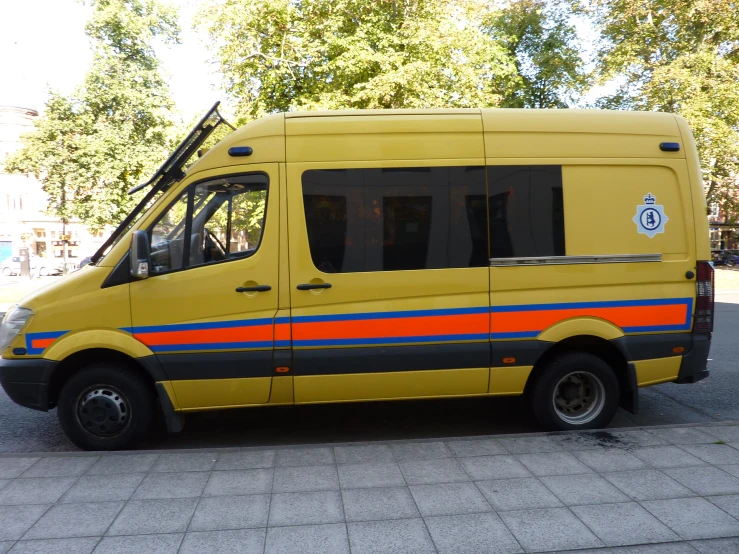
(650, 218)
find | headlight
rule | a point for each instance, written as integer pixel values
(13, 321)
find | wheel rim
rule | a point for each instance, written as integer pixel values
(579, 397)
(103, 411)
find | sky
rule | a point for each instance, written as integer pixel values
(43, 44)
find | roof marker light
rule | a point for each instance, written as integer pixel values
(669, 146)
(240, 151)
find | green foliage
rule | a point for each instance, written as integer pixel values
(679, 56)
(283, 55)
(90, 148)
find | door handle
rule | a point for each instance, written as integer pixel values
(258, 288)
(311, 286)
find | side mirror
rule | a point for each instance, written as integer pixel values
(140, 255)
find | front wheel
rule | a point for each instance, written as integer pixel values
(7, 271)
(575, 391)
(43, 272)
(106, 407)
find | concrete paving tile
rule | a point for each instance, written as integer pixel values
(574, 441)
(423, 472)
(408, 536)
(56, 546)
(239, 482)
(420, 451)
(693, 518)
(185, 461)
(36, 491)
(714, 453)
(363, 454)
(305, 456)
(553, 463)
(306, 508)
(308, 539)
(530, 445)
(60, 467)
(16, 520)
(477, 447)
(728, 503)
(145, 517)
(4, 483)
(471, 534)
(610, 460)
(103, 488)
(256, 459)
(243, 541)
(666, 456)
(189, 484)
(631, 439)
(449, 499)
(717, 546)
(115, 464)
(683, 435)
(10, 468)
(624, 524)
(732, 469)
(549, 529)
(481, 468)
(231, 512)
(575, 490)
(378, 503)
(518, 494)
(65, 521)
(383, 474)
(306, 478)
(665, 548)
(705, 481)
(647, 484)
(726, 433)
(5, 546)
(148, 544)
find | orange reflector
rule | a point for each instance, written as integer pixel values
(678, 349)
(509, 360)
(282, 369)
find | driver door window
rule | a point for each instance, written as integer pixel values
(226, 222)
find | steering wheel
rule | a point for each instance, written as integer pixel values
(209, 240)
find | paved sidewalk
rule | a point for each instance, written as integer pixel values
(662, 490)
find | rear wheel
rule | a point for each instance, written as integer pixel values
(43, 271)
(575, 391)
(7, 271)
(106, 407)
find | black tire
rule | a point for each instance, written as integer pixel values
(131, 401)
(588, 370)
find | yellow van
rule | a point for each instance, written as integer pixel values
(373, 255)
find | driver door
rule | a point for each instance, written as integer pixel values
(207, 308)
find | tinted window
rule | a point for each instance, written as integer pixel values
(526, 211)
(396, 219)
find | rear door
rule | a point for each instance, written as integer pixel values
(207, 309)
(388, 256)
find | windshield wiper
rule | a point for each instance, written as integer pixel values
(171, 171)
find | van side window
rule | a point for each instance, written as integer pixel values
(224, 220)
(396, 219)
(526, 211)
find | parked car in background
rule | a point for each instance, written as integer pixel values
(12, 266)
(84, 262)
(728, 258)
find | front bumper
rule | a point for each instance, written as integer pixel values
(27, 381)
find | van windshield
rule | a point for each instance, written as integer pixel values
(171, 171)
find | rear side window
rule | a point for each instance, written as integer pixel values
(396, 219)
(526, 211)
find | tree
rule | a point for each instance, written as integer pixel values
(281, 55)
(90, 148)
(543, 45)
(679, 56)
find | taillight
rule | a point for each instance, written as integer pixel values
(704, 299)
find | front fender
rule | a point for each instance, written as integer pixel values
(111, 339)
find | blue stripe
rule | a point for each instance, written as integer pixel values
(389, 315)
(391, 340)
(282, 343)
(279, 320)
(515, 335)
(651, 328)
(202, 326)
(606, 304)
(45, 335)
(212, 346)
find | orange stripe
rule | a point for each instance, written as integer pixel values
(282, 331)
(512, 322)
(392, 327)
(206, 336)
(41, 343)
